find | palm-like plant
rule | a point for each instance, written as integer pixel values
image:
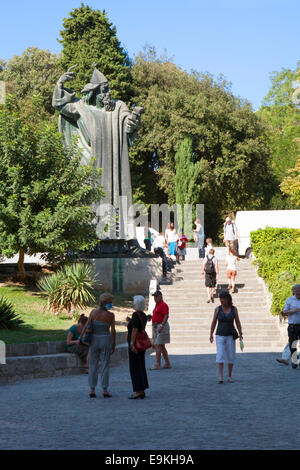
(70, 288)
(8, 316)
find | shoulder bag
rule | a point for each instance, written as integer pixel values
(142, 341)
(87, 337)
(235, 334)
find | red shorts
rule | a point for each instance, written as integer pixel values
(230, 273)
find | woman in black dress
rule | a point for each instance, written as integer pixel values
(137, 367)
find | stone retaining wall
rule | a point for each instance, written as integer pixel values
(49, 359)
(48, 347)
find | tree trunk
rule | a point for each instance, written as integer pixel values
(21, 270)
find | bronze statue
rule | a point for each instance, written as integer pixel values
(105, 128)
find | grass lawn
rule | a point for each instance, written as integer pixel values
(39, 324)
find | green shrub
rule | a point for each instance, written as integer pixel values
(281, 291)
(8, 318)
(279, 259)
(70, 288)
(278, 263)
(261, 237)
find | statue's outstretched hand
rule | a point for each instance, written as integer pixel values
(67, 76)
(133, 120)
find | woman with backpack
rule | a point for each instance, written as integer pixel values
(210, 267)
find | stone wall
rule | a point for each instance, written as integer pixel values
(128, 275)
(49, 359)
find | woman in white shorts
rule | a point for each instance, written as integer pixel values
(226, 314)
(231, 271)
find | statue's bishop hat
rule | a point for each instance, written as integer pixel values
(98, 77)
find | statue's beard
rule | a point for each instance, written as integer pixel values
(104, 101)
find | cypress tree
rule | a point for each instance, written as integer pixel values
(89, 39)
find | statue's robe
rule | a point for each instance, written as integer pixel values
(102, 135)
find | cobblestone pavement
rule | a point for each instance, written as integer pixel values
(185, 408)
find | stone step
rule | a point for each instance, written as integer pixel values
(204, 307)
(191, 315)
(267, 345)
(200, 299)
(247, 326)
(211, 350)
(195, 318)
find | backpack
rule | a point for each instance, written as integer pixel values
(210, 266)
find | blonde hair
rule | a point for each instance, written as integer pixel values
(105, 298)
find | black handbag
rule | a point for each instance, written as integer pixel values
(235, 333)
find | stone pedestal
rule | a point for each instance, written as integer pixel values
(127, 275)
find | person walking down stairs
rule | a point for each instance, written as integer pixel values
(210, 267)
(231, 270)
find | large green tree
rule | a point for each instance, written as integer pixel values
(89, 39)
(291, 184)
(228, 138)
(188, 173)
(283, 128)
(32, 75)
(45, 194)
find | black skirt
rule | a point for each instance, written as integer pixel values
(210, 280)
(138, 372)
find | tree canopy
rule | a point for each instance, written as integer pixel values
(88, 40)
(45, 194)
(291, 184)
(282, 121)
(228, 138)
(32, 75)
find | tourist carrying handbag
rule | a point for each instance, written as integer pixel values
(138, 343)
(142, 340)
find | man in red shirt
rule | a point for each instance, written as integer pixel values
(182, 245)
(161, 330)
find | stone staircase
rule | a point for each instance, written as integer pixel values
(191, 316)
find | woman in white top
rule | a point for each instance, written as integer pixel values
(171, 238)
(231, 271)
(199, 237)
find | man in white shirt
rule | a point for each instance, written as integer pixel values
(292, 309)
(158, 246)
(286, 353)
(230, 234)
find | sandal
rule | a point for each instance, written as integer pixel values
(106, 395)
(135, 397)
(93, 395)
(220, 382)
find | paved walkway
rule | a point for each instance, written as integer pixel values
(185, 408)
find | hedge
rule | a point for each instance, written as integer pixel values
(277, 254)
(270, 234)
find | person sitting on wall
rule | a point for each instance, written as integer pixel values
(74, 345)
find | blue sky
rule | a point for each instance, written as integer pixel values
(244, 40)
